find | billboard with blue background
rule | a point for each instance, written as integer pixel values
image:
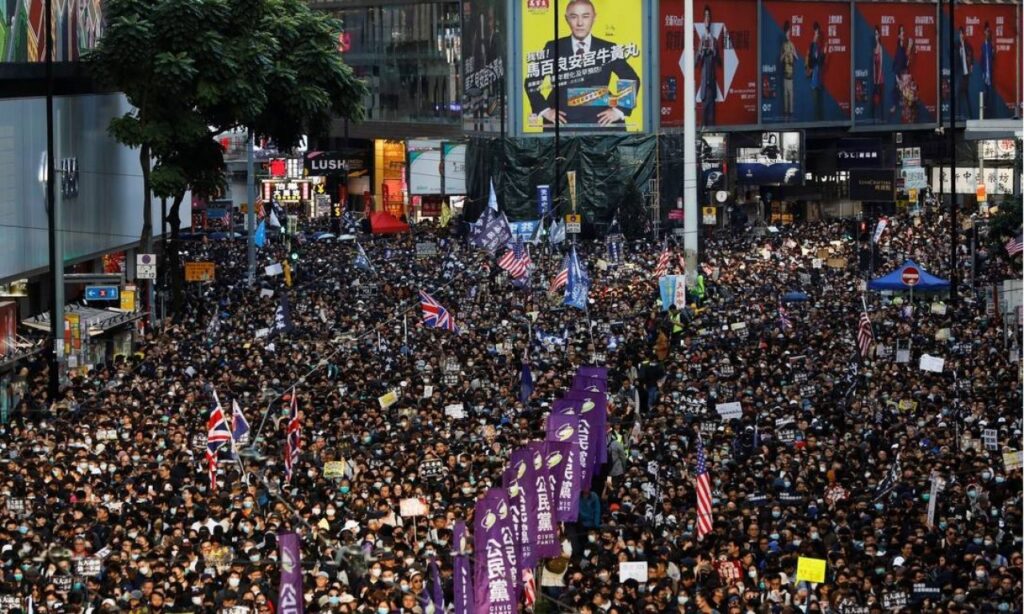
(805, 62)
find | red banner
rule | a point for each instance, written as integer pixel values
(725, 62)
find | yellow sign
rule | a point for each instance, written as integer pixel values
(709, 215)
(981, 193)
(571, 177)
(199, 271)
(72, 332)
(573, 223)
(810, 570)
(599, 60)
(388, 399)
(334, 469)
(128, 300)
(287, 268)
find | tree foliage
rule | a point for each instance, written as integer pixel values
(192, 69)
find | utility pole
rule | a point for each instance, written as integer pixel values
(689, 147)
(250, 212)
(953, 204)
(53, 211)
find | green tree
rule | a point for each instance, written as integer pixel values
(192, 69)
(1004, 225)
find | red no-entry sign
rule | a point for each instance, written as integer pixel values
(910, 276)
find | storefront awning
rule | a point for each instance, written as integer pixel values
(985, 129)
(97, 321)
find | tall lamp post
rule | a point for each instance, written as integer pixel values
(53, 215)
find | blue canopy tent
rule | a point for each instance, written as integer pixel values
(894, 280)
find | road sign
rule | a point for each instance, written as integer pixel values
(199, 271)
(573, 222)
(145, 266)
(102, 293)
(910, 276)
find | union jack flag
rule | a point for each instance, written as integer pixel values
(516, 260)
(293, 437)
(704, 514)
(663, 261)
(561, 278)
(434, 315)
(217, 434)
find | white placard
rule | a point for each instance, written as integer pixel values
(730, 411)
(412, 506)
(266, 292)
(274, 269)
(455, 410)
(932, 363)
(428, 391)
(633, 570)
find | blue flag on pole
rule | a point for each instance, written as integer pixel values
(362, 260)
(525, 383)
(557, 233)
(260, 238)
(579, 282)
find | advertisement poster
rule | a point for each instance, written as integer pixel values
(805, 62)
(424, 166)
(77, 26)
(599, 57)
(8, 327)
(778, 161)
(987, 61)
(483, 64)
(895, 81)
(725, 62)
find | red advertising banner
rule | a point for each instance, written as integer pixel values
(987, 61)
(805, 61)
(895, 81)
(725, 63)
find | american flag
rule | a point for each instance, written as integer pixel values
(529, 588)
(663, 260)
(784, 320)
(704, 517)
(561, 278)
(516, 260)
(217, 434)
(434, 315)
(293, 437)
(1015, 245)
(864, 334)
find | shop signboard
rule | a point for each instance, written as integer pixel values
(425, 166)
(600, 61)
(875, 184)
(725, 71)
(805, 62)
(778, 161)
(199, 271)
(858, 153)
(988, 61)
(326, 163)
(894, 77)
(996, 180)
(454, 168)
(484, 33)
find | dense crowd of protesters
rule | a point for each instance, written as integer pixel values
(834, 457)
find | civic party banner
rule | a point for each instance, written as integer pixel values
(547, 531)
(565, 428)
(599, 58)
(289, 598)
(725, 62)
(894, 78)
(495, 590)
(517, 478)
(462, 578)
(987, 61)
(805, 62)
(594, 409)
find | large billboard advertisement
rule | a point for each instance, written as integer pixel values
(424, 166)
(805, 62)
(894, 65)
(725, 62)
(987, 61)
(778, 161)
(483, 64)
(599, 59)
(77, 26)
